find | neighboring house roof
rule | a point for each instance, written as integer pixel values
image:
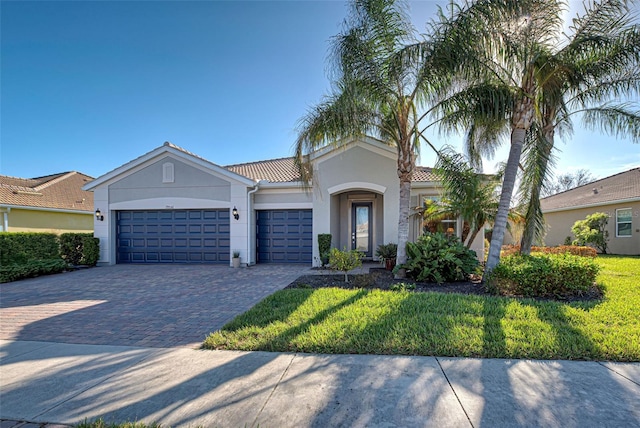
(621, 187)
(58, 191)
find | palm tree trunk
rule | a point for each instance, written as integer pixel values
(405, 173)
(500, 225)
(471, 238)
(533, 207)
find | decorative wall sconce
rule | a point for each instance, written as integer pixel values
(235, 213)
(99, 215)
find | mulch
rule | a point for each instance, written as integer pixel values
(382, 279)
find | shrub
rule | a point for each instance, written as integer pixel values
(20, 247)
(30, 269)
(79, 248)
(544, 275)
(90, 250)
(592, 231)
(324, 245)
(345, 260)
(576, 250)
(436, 257)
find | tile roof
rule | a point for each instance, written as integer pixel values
(58, 191)
(283, 170)
(618, 187)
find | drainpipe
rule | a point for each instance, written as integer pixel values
(5, 222)
(249, 193)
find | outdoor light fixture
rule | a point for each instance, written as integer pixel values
(235, 213)
(99, 215)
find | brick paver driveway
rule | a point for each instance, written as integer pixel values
(135, 305)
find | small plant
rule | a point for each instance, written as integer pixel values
(236, 254)
(345, 261)
(387, 254)
(592, 231)
(544, 275)
(436, 257)
(402, 286)
(324, 245)
(567, 240)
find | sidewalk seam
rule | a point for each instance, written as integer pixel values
(454, 392)
(119, 372)
(618, 373)
(273, 391)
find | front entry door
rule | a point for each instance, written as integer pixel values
(361, 223)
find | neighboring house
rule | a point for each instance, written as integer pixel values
(618, 196)
(55, 203)
(170, 205)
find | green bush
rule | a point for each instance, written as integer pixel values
(30, 269)
(544, 275)
(436, 257)
(79, 248)
(90, 250)
(592, 231)
(345, 260)
(324, 245)
(20, 247)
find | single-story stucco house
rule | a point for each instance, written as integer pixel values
(617, 195)
(55, 203)
(172, 206)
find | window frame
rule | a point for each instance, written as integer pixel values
(630, 223)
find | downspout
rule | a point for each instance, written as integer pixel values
(5, 220)
(256, 187)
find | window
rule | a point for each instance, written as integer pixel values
(623, 222)
(448, 225)
(167, 173)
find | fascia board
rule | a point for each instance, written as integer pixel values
(598, 204)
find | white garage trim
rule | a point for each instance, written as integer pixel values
(168, 204)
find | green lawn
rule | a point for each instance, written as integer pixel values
(341, 321)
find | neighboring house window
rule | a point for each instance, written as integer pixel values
(623, 222)
(167, 173)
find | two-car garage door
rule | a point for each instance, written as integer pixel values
(203, 236)
(173, 236)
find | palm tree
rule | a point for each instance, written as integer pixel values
(465, 194)
(507, 73)
(384, 78)
(599, 62)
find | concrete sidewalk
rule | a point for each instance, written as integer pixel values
(65, 383)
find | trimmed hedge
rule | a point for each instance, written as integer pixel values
(576, 250)
(79, 248)
(21, 247)
(25, 255)
(545, 275)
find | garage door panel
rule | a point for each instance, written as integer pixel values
(183, 236)
(284, 236)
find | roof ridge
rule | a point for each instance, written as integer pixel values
(259, 161)
(592, 182)
(59, 178)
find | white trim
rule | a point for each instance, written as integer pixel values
(55, 210)
(625, 222)
(285, 206)
(168, 174)
(144, 160)
(599, 204)
(169, 204)
(356, 185)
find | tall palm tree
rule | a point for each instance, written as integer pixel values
(506, 53)
(599, 62)
(384, 77)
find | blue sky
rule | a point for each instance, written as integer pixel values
(90, 85)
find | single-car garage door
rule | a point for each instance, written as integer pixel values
(173, 236)
(284, 236)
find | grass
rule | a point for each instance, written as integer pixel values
(99, 423)
(333, 320)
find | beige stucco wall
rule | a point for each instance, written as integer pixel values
(559, 227)
(361, 170)
(24, 220)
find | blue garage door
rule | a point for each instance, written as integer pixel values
(173, 236)
(284, 236)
